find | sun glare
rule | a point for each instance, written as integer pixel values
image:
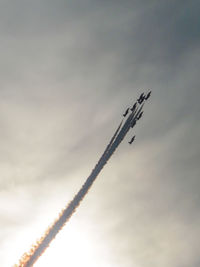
(72, 247)
(76, 245)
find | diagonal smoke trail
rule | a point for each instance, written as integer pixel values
(113, 138)
(28, 259)
(111, 141)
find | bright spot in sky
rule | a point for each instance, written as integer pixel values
(70, 246)
(75, 245)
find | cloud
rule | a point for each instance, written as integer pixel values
(66, 65)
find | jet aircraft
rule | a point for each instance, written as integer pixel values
(132, 139)
(148, 95)
(134, 107)
(141, 98)
(140, 115)
(126, 112)
(133, 124)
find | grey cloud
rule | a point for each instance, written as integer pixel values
(68, 71)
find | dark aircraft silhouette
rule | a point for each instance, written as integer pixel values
(141, 98)
(134, 107)
(132, 139)
(133, 124)
(126, 112)
(148, 95)
(140, 115)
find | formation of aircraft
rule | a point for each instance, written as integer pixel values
(132, 139)
(140, 100)
(143, 97)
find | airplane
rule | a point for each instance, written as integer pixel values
(140, 115)
(133, 124)
(132, 139)
(126, 112)
(148, 95)
(141, 98)
(134, 107)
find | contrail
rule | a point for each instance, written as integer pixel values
(111, 141)
(28, 259)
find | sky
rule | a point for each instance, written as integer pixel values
(68, 70)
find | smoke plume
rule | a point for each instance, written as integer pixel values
(28, 259)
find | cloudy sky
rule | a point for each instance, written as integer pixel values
(68, 70)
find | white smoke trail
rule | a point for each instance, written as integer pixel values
(28, 259)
